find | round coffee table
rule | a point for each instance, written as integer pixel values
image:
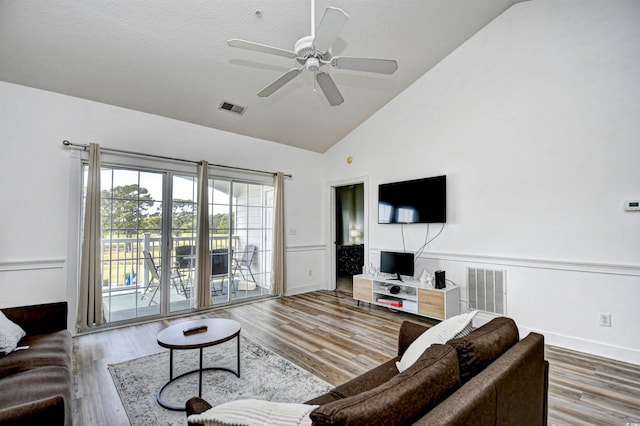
(219, 330)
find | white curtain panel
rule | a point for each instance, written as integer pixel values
(90, 311)
(202, 285)
(278, 249)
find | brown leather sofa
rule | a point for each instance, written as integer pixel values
(489, 377)
(36, 383)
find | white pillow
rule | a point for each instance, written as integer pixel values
(10, 334)
(255, 412)
(458, 326)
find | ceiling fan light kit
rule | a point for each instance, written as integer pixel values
(314, 51)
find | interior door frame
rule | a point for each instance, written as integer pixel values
(364, 180)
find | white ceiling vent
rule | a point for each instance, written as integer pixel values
(228, 106)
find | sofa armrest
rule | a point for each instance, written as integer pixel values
(546, 392)
(196, 405)
(510, 391)
(39, 319)
(409, 331)
(49, 411)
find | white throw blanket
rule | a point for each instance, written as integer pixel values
(254, 412)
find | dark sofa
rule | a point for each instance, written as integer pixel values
(489, 377)
(36, 383)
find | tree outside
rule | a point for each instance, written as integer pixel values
(124, 209)
(129, 209)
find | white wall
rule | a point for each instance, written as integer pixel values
(37, 174)
(535, 123)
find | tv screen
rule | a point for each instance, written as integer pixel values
(413, 201)
(396, 263)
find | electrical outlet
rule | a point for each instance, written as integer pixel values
(604, 319)
(310, 273)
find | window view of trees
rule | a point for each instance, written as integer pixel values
(124, 210)
(128, 210)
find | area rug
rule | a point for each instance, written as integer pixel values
(264, 375)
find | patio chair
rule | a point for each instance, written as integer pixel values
(185, 260)
(219, 269)
(185, 257)
(176, 278)
(244, 263)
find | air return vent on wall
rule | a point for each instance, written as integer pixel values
(487, 290)
(228, 106)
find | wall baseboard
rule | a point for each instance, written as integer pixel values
(29, 265)
(591, 347)
(304, 289)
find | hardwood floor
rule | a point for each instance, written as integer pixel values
(328, 335)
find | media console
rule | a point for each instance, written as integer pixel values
(413, 296)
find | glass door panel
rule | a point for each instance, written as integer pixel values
(221, 246)
(183, 233)
(252, 231)
(131, 221)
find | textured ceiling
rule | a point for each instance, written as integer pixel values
(171, 58)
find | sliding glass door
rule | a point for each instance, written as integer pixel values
(148, 220)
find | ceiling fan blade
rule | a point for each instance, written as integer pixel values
(279, 82)
(329, 89)
(257, 47)
(380, 66)
(332, 22)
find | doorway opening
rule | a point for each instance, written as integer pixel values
(349, 235)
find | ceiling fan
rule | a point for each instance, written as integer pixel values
(314, 52)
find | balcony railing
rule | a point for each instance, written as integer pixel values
(123, 265)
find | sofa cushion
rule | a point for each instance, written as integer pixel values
(364, 382)
(27, 388)
(409, 331)
(484, 345)
(10, 334)
(402, 399)
(39, 319)
(456, 326)
(44, 350)
(369, 380)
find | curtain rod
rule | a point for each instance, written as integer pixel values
(162, 157)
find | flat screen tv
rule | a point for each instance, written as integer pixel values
(396, 263)
(413, 201)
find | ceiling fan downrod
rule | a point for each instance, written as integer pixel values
(313, 18)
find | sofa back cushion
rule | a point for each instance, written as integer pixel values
(402, 399)
(484, 345)
(39, 319)
(44, 350)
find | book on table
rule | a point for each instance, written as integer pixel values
(391, 302)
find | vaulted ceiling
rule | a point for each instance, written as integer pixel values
(171, 58)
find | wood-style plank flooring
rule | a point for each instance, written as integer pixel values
(328, 335)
